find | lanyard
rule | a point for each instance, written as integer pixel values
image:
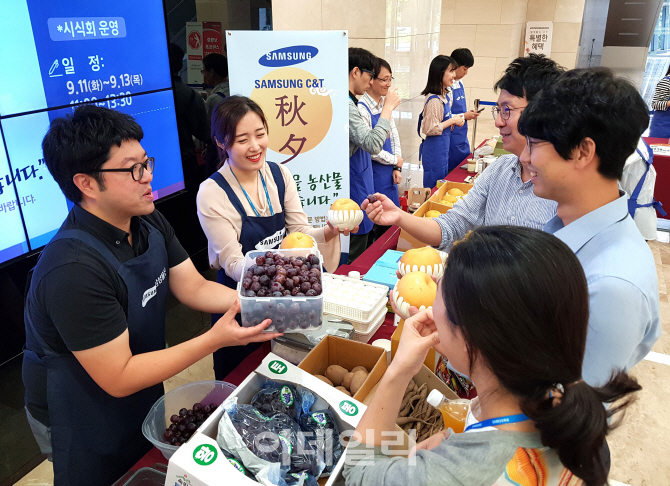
(249, 199)
(508, 419)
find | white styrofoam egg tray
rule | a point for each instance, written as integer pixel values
(352, 298)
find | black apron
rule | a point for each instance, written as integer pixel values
(95, 437)
(255, 229)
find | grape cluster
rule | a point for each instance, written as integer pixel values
(275, 275)
(185, 424)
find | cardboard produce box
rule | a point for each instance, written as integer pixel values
(407, 241)
(439, 194)
(333, 350)
(200, 461)
(425, 375)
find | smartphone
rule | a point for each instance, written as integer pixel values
(481, 109)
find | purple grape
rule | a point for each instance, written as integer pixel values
(307, 266)
(256, 286)
(260, 260)
(246, 283)
(277, 287)
(296, 280)
(297, 263)
(181, 428)
(299, 294)
(372, 198)
(286, 293)
(269, 255)
(175, 419)
(289, 284)
(278, 293)
(280, 279)
(173, 440)
(255, 278)
(305, 286)
(205, 409)
(263, 292)
(315, 261)
(177, 444)
(311, 293)
(264, 280)
(295, 291)
(304, 324)
(182, 412)
(258, 271)
(271, 271)
(282, 271)
(191, 427)
(313, 280)
(249, 274)
(173, 427)
(250, 293)
(317, 288)
(291, 272)
(168, 434)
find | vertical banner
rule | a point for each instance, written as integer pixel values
(194, 52)
(212, 38)
(538, 37)
(300, 81)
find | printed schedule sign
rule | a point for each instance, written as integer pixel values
(57, 55)
(300, 81)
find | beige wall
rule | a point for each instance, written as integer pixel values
(494, 30)
(405, 33)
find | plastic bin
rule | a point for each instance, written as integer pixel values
(205, 392)
(296, 314)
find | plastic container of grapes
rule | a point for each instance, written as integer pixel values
(297, 314)
(158, 418)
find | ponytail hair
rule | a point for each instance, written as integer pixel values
(576, 423)
(528, 324)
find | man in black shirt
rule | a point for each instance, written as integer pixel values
(95, 356)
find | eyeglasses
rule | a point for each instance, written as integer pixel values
(136, 171)
(388, 80)
(530, 144)
(504, 111)
(371, 73)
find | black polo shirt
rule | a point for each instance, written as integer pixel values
(84, 298)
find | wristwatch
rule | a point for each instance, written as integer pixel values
(395, 167)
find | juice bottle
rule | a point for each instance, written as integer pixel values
(453, 412)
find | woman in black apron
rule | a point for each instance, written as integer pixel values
(240, 131)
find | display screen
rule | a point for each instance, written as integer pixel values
(55, 56)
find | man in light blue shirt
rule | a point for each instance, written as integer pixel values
(580, 132)
(503, 194)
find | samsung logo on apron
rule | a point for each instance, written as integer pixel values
(151, 292)
(271, 241)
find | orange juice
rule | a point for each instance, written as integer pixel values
(454, 413)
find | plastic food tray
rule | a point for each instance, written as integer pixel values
(308, 310)
(352, 299)
(169, 404)
(372, 327)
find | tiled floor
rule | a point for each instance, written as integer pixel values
(640, 447)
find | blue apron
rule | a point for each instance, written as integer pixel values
(632, 201)
(96, 437)
(434, 149)
(459, 149)
(255, 229)
(361, 184)
(382, 174)
(660, 122)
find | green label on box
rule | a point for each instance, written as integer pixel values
(205, 454)
(348, 408)
(278, 367)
